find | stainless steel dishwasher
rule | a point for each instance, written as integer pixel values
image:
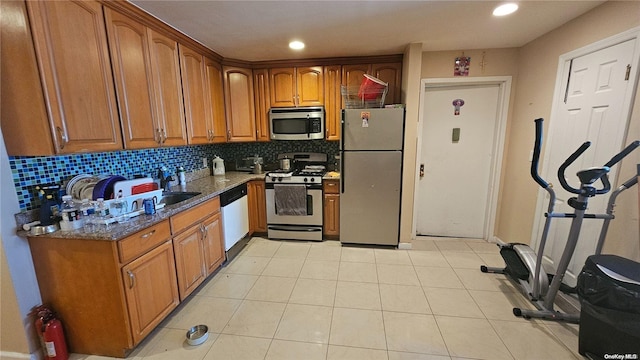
(235, 220)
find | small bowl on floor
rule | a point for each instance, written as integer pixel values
(197, 335)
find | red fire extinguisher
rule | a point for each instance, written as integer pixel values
(51, 335)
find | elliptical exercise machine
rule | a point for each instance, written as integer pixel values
(524, 265)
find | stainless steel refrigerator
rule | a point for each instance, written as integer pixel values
(371, 145)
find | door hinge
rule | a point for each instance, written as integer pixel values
(626, 75)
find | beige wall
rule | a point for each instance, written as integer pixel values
(533, 95)
(12, 337)
(533, 68)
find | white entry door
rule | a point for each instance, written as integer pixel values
(594, 106)
(457, 154)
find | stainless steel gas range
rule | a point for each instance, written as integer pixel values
(294, 198)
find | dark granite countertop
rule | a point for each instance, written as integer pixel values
(209, 187)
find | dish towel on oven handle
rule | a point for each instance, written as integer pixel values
(291, 199)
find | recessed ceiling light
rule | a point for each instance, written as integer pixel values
(505, 9)
(296, 45)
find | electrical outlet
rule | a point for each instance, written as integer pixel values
(204, 162)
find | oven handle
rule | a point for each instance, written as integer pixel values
(296, 229)
(309, 186)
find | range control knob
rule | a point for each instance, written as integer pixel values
(313, 180)
(273, 179)
(280, 179)
(305, 180)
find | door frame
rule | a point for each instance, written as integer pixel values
(556, 112)
(504, 92)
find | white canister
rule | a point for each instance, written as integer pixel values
(218, 166)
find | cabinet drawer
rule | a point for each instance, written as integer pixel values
(331, 186)
(143, 241)
(187, 218)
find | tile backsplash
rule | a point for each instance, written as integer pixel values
(29, 171)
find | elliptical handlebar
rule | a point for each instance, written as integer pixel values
(567, 163)
(537, 146)
(626, 151)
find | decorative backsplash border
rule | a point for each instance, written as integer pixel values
(29, 171)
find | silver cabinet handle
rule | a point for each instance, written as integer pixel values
(132, 279)
(159, 139)
(228, 134)
(150, 233)
(63, 138)
(163, 135)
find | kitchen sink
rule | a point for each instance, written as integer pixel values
(174, 197)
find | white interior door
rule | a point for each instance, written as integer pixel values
(594, 107)
(453, 194)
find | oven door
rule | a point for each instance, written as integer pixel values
(314, 208)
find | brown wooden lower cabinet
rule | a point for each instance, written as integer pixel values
(331, 227)
(198, 244)
(107, 304)
(111, 294)
(257, 206)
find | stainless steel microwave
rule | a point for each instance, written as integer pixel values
(297, 123)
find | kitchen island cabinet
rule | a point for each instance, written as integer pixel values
(239, 104)
(198, 244)
(77, 80)
(331, 205)
(109, 294)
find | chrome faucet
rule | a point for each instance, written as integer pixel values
(165, 178)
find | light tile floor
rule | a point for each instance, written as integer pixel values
(307, 300)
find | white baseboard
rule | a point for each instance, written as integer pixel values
(404, 246)
(7, 355)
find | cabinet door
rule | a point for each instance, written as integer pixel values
(189, 259)
(165, 68)
(215, 107)
(132, 72)
(332, 214)
(352, 75)
(257, 206)
(309, 86)
(282, 83)
(151, 289)
(71, 44)
(193, 90)
(390, 73)
(262, 97)
(213, 243)
(239, 104)
(23, 114)
(332, 101)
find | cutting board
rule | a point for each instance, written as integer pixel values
(123, 188)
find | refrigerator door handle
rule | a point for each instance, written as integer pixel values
(342, 173)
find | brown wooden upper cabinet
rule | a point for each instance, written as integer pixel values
(296, 86)
(75, 69)
(332, 101)
(262, 101)
(390, 73)
(203, 97)
(215, 96)
(239, 104)
(145, 67)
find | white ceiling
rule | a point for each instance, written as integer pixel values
(261, 30)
